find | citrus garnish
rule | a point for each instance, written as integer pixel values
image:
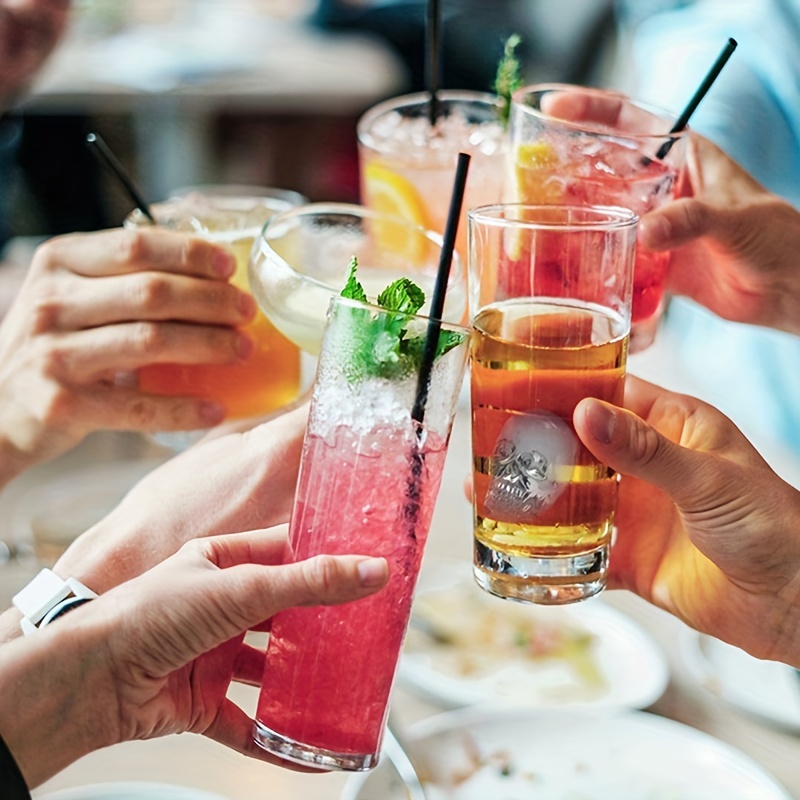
(392, 194)
(536, 155)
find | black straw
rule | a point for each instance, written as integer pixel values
(98, 146)
(439, 289)
(702, 90)
(433, 61)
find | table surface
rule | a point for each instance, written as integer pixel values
(194, 761)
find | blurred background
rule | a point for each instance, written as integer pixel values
(261, 92)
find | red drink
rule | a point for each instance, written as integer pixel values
(572, 146)
(329, 669)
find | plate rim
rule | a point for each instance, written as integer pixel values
(99, 791)
(475, 715)
(644, 642)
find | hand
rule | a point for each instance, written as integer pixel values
(96, 305)
(733, 243)
(156, 655)
(705, 529)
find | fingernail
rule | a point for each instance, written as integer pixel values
(247, 305)
(601, 421)
(223, 263)
(244, 345)
(212, 413)
(372, 572)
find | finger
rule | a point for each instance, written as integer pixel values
(122, 409)
(249, 665)
(121, 251)
(632, 447)
(677, 224)
(234, 729)
(582, 106)
(82, 356)
(267, 547)
(147, 296)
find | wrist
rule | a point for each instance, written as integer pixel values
(56, 712)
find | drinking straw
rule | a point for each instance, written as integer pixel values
(440, 287)
(433, 61)
(98, 146)
(702, 89)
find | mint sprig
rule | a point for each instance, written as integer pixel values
(509, 76)
(382, 346)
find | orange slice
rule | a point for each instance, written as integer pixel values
(395, 196)
(537, 181)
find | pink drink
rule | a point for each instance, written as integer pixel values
(329, 669)
(369, 475)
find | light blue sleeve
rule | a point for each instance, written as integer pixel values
(753, 113)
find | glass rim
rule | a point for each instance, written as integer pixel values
(596, 128)
(352, 209)
(607, 218)
(420, 98)
(338, 300)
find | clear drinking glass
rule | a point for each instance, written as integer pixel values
(270, 377)
(550, 303)
(301, 258)
(570, 145)
(369, 478)
(407, 166)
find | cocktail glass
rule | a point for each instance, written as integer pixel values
(368, 482)
(301, 258)
(543, 505)
(575, 146)
(407, 167)
(270, 376)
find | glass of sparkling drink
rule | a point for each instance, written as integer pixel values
(570, 145)
(300, 262)
(543, 505)
(369, 478)
(270, 376)
(407, 165)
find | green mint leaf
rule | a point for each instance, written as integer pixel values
(509, 76)
(381, 346)
(403, 295)
(353, 290)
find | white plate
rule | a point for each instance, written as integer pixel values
(554, 755)
(131, 791)
(768, 690)
(619, 665)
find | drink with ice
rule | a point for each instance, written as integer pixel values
(543, 505)
(607, 158)
(407, 166)
(368, 482)
(269, 377)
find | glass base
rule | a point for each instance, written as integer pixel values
(545, 580)
(306, 754)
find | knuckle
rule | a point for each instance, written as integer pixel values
(193, 253)
(142, 412)
(45, 312)
(131, 246)
(153, 292)
(646, 445)
(322, 577)
(150, 338)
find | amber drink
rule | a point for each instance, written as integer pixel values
(543, 505)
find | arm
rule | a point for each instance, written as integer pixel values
(94, 306)
(120, 668)
(240, 481)
(705, 529)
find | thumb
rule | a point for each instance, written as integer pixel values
(632, 447)
(676, 224)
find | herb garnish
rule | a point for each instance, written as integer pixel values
(382, 345)
(509, 77)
